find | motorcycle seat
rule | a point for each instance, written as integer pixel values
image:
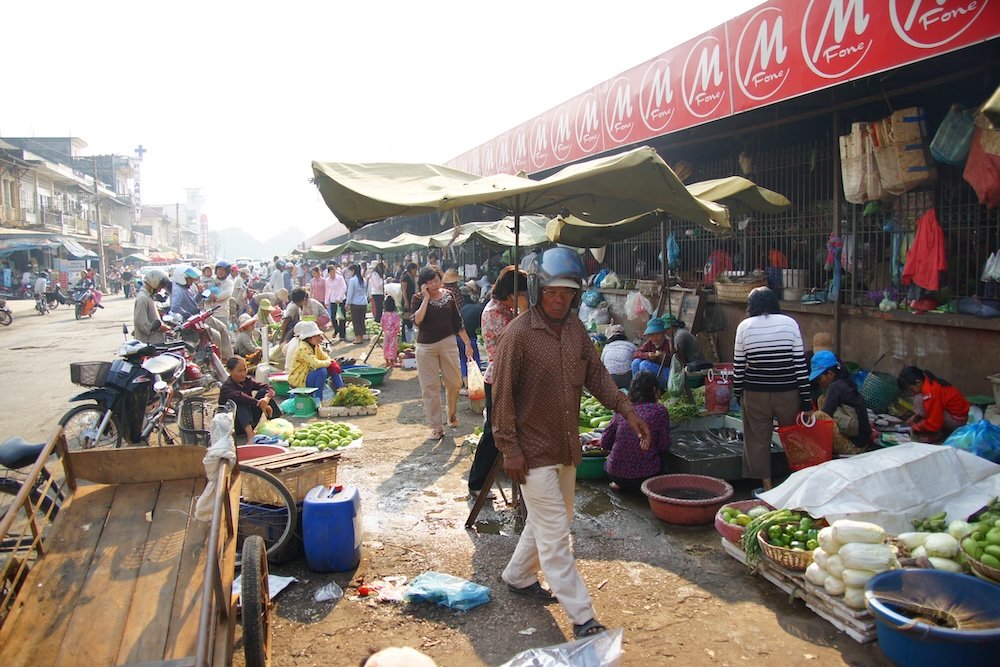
(163, 364)
(17, 453)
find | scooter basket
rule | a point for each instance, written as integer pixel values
(89, 373)
(195, 421)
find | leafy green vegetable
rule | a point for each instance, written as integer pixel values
(353, 396)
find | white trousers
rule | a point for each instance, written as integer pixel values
(548, 495)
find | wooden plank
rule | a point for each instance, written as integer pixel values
(294, 457)
(98, 618)
(139, 464)
(225, 633)
(857, 624)
(145, 634)
(182, 637)
(34, 630)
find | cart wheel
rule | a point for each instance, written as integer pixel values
(256, 604)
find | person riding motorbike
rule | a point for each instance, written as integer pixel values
(41, 288)
(184, 304)
(147, 325)
(87, 283)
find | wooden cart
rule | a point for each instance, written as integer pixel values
(103, 563)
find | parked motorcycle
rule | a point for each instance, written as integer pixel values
(55, 297)
(84, 304)
(6, 317)
(129, 399)
(195, 331)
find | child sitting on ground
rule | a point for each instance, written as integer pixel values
(629, 465)
(391, 324)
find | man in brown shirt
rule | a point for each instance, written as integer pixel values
(544, 359)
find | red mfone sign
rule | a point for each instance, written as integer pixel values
(779, 50)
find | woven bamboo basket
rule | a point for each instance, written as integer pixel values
(737, 292)
(982, 570)
(792, 560)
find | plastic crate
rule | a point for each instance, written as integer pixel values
(89, 373)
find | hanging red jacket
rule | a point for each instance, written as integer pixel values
(926, 259)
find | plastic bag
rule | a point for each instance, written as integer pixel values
(982, 170)
(637, 305)
(446, 590)
(673, 251)
(477, 388)
(600, 315)
(330, 592)
(675, 381)
(953, 138)
(592, 298)
(611, 281)
(807, 442)
(718, 388)
(279, 428)
(981, 439)
(601, 650)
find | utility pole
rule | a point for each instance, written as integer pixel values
(100, 231)
(177, 214)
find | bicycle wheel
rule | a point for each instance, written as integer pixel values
(256, 600)
(80, 427)
(267, 509)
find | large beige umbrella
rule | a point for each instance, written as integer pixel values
(738, 194)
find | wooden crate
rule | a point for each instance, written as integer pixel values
(858, 624)
(299, 470)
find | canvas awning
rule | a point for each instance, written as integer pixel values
(740, 195)
(77, 250)
(602, 190)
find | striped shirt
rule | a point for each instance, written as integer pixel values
(769, 357)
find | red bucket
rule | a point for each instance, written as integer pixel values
(807, 443)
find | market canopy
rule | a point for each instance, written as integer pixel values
(603, 190)
(497, 233)
(77, 250)
(738, 194)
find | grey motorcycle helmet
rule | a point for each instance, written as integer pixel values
(559, 267)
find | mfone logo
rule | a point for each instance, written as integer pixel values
(701, 81)
(829, 50)
(618, 118)
(929, 24)
(520, 156)
(503, 155)
(539, 143)
(586, 125)
(561, 137)
(656, 97)
(489, 161)
(760, 43)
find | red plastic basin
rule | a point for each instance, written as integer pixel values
(248, 452)
(698, 497)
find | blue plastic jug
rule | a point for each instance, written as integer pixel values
(331, 527)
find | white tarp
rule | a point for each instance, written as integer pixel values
(891, 487)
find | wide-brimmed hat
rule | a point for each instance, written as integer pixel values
(265, 305)
(307, 329)
(473, 286)
(822, 361)
(282, 294)
(822, 340)
(655, 326)
(450, 276)
(245, 321)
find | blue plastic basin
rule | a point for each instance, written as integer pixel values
(907, 642)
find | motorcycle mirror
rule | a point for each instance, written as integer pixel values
(125, 330)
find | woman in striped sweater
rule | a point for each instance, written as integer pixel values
(770, 378)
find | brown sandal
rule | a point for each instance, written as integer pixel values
(453, 421)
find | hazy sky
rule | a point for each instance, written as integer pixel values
(239, 97)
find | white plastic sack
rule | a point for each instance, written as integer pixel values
(601, 650)
(891, 487)
(223, 448)
(611, 281)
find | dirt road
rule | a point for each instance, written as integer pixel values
(679, 598)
